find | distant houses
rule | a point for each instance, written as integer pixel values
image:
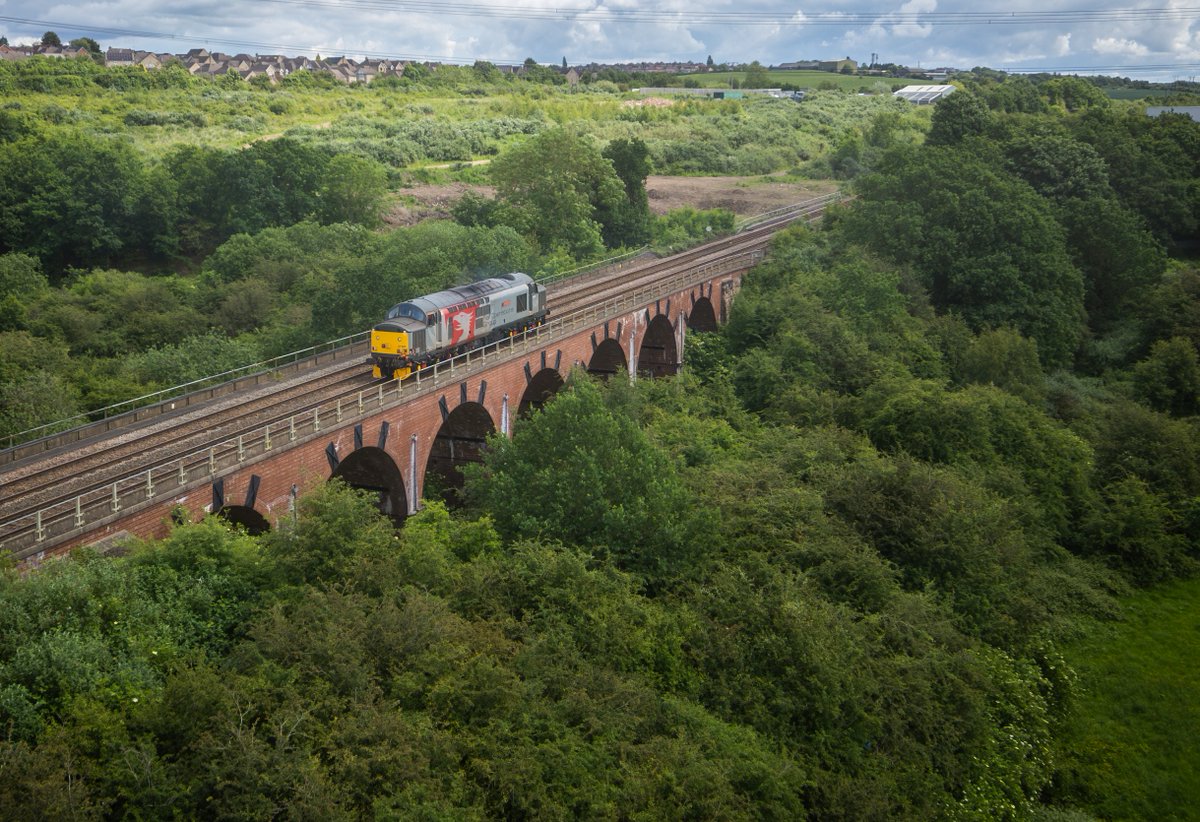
(203, 63)
(274, 67)
(56, 52)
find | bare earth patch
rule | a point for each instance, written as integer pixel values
(744, 196)
(428, 202)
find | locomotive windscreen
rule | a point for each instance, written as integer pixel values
(406, 310)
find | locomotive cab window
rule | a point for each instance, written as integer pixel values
(522, 302)
(406, 310)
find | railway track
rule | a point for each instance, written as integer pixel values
(78, 479)
(575, 293)
(72, 472)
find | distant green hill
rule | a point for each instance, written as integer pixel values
(1137, 93)
(804, 79)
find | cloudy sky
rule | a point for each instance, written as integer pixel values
(1155, 40)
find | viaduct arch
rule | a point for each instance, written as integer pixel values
(459, 441)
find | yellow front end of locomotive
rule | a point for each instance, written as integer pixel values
(389, 354)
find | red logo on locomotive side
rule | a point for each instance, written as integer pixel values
(462, 325)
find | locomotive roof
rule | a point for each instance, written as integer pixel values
(471, 291)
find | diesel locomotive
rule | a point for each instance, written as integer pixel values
(437, 326)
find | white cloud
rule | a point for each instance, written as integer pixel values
(1062, 45)
(913, 7)
(1114, 45)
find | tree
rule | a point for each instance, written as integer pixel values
(1033, 457)
(536, 73)
(415, 72)
(70, 199)
(37, 399)
(1151, 165)
(1173, 306)
(1013, 94)
(559, 191)
(756, 76)
(1169, 379)
(193, 357)
(956, 117)
(352, 190)
(1109, 243)
(1058, 166)
(486, 70)
(109, 312)
(579, 473)
(335, 522)
(51, 39)
(273, 182)
(1116, 253)
(630, 226)
(941, 530)
(1073, 93)
(1136, 527)
(91, 45)
(1003, 358)
(21, 281)
(983, 242)
(710, 62)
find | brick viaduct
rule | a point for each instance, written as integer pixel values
(396, 438)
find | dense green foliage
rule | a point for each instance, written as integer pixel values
(1049, 224)
(828, 571)
(75, 199)
(560, 191)
(985, 244)
(837, 594)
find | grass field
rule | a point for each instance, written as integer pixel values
(808, 79)
(1133, 751)
(1136, 93)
